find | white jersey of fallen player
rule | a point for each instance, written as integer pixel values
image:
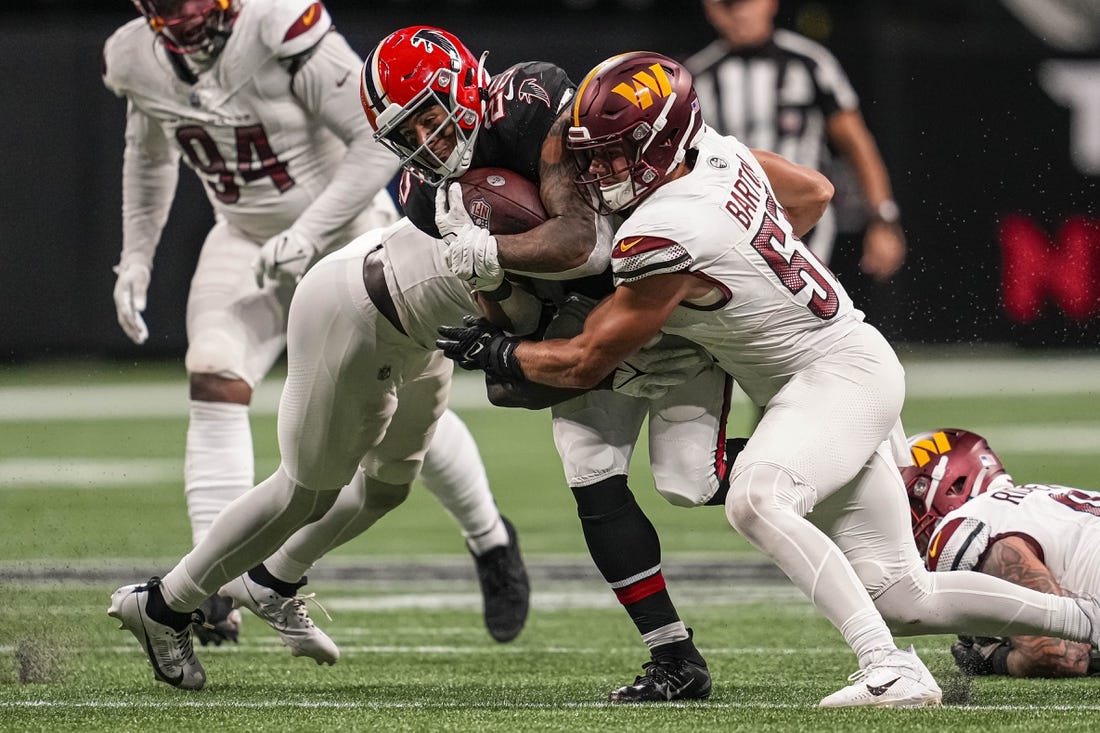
(1061, 524)
(263, 155)
(773, 307)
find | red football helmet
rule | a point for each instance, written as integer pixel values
(411, 71)
(951, 467)
(191, 26)
(640, 105)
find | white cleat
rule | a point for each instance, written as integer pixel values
(900, 680)
(287, 615)
(169, 650)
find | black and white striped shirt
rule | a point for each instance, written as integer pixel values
(776, 97)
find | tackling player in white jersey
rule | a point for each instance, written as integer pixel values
(968, 514)
(709, 253)
(365, 390)
(260, 98)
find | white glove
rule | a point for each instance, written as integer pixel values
(472, 256)
(450, 211)
(130, 290)
(285, 258)
(651, 372)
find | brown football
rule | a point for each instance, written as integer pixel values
(502, 201)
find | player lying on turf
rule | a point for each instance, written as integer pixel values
(968, 514)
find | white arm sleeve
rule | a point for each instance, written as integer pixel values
(150, 171)
(328, 86)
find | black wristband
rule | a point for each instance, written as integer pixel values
(501, 293)
(502, 359)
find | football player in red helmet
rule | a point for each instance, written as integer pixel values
(431, 101)
(950, 467)
(968, 514)
(711, 250)
(198, 28)
(425, 77)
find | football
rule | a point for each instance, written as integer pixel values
(502, 201)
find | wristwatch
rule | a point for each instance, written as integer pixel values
(887, 212)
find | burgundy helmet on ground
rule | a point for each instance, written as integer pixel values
(951, 466)
(643, 105)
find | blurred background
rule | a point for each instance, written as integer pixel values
(987, 114)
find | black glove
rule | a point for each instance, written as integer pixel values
(478, 344)
(982, 655)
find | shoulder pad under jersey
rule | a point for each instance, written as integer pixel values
(958, 544)
(290, 27)
(122, 52)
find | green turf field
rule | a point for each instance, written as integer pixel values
(90, 498)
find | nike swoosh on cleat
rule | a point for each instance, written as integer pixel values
(878, 690)
(672, 693)
(174, 681)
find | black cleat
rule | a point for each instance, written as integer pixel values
(223, 622)
(666, 680)
(504, 587)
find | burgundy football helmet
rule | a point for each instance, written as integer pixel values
(640, 105)
(408, 73)
(198, 27)
(951, 467)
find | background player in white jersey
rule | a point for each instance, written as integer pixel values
(260, 99)
(968, 514)
(711, 251)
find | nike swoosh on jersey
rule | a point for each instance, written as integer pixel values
(879, 690)
(343, 79)
(625, 247)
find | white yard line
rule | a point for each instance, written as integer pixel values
(168, 705)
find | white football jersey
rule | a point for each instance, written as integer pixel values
(773, 307)
(1061, 524)
(264, 153)
(424, 290)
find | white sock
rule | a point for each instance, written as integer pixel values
(218, 464)
(454, 473)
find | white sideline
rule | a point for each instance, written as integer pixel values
(925, 377)
(63, 472)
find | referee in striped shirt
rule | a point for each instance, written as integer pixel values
(776, 90)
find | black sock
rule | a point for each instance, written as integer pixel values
(683, 649)
(624, 544)
(261, 575)
(161, 612)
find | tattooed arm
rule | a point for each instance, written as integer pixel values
(564, 246)
(1013, 559)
